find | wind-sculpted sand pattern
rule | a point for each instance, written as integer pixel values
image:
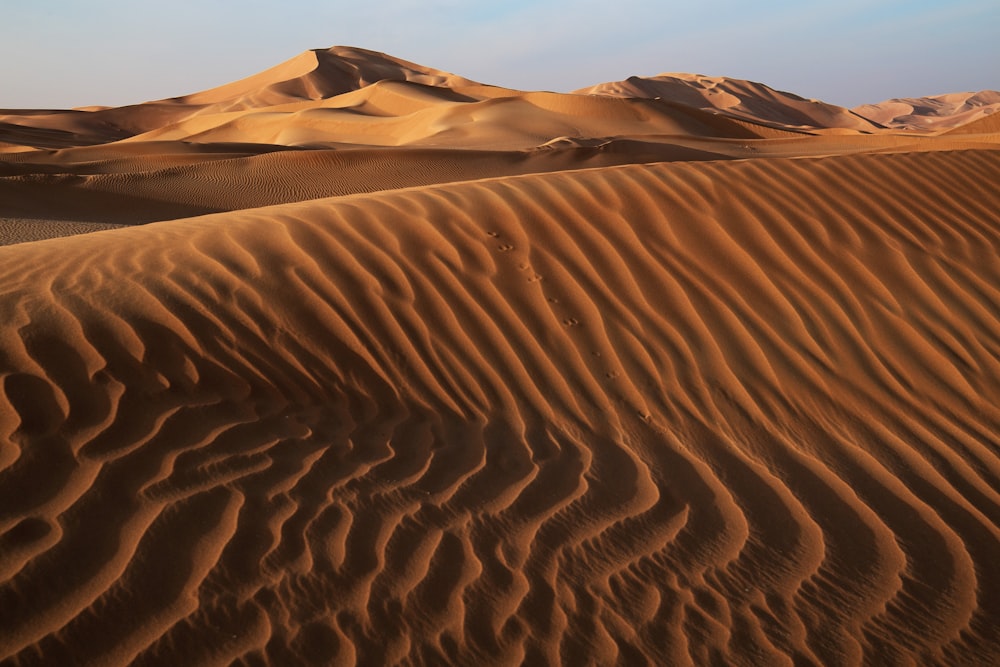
(701, 413)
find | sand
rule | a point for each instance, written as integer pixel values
(407, 369)
(937, 112)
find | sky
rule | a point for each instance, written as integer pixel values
(70, 53)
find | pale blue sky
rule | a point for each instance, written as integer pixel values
(65, 53)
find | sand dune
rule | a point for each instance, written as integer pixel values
(386, 426)
(934, 113)
(742, 99)
(312, 75)
(392, 113)
(320, 74)
(412, 370)
(148, 182)
(272, 178)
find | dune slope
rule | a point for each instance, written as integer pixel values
(721, 412)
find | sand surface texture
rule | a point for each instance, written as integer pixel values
(408, 369)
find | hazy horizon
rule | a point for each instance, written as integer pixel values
(74, 54)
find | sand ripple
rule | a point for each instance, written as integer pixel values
(700, 413)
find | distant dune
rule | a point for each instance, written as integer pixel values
(939, 112)
(410, 369)
(743, 99)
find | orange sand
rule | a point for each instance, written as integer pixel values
(416, 370)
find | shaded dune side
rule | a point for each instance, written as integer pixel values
(214, 185)
(26, 230)
(742, 413)
(118, 157)
(19, 137)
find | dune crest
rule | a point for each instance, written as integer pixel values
(408, 369)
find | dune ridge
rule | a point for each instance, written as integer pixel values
(658, 414)
(312, 75)
(738, 98)
(933, 113)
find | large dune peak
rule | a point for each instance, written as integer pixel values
(319, 74)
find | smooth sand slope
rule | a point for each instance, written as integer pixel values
(716, 393)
